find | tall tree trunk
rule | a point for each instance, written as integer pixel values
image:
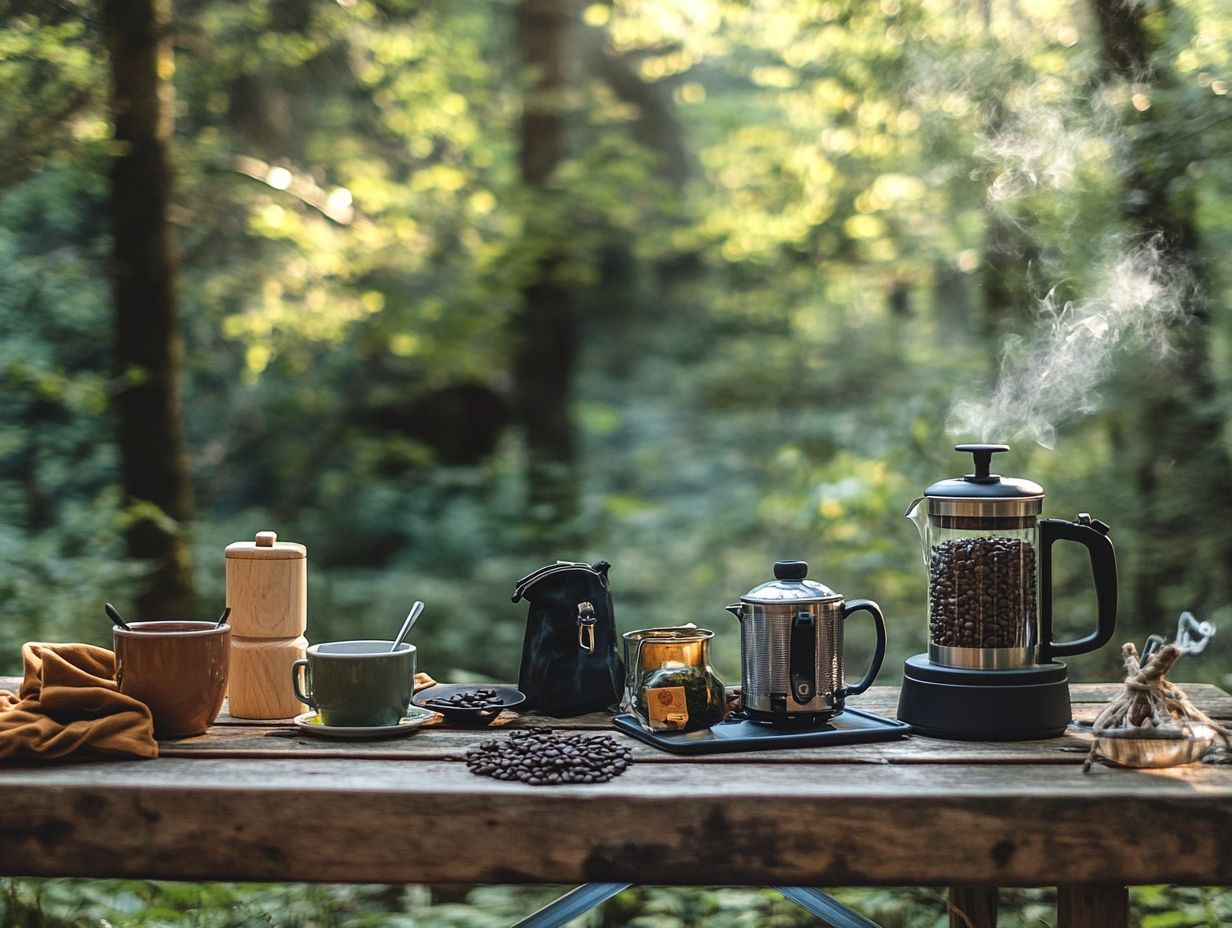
(1005, 278)
(1009, 248)
(546, 328)
(147, 335)
(656, 126)
(1179, 456)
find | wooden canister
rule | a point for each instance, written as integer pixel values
(267, 587)
(267, 590)
(261, 677)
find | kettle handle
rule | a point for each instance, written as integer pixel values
(1092, 534)
(874, 667)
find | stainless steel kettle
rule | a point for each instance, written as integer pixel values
(791, 647)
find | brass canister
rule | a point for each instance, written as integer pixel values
(670, 685)
(665, 644)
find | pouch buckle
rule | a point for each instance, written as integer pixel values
(586, 627)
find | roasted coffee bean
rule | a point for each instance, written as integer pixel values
(538, 757)
(479, 698)
(981, 592)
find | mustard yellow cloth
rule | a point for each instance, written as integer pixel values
(69, 703)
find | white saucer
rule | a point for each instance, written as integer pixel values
(310, 723)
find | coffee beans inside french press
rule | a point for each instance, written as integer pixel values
(981, 592)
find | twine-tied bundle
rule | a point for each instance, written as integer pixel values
(1150, 702)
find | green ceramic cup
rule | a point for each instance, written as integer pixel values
(356, 684)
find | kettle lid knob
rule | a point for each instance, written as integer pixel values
(790, 570)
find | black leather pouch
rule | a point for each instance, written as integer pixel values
(570, 662)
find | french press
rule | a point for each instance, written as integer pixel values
(990, 672)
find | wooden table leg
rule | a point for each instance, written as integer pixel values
(1092, 905)
(973, 907)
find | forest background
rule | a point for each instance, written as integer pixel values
(449, 290)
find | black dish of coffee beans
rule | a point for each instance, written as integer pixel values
(540, 758)
(981, 592)
(469, 704)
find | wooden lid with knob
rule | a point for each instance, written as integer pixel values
(266, 546)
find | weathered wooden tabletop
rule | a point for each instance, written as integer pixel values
(260, 801)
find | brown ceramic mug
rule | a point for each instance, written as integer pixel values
(178, 669)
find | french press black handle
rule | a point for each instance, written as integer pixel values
(1092, 534)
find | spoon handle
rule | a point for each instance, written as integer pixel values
(411, 618)
(114, 615)
(222, 618)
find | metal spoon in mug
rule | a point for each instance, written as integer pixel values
(114, 615)
(411, 618)
(222, 618)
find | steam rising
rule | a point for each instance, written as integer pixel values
(1054, 375)
(1052, 144)
(1055, 145)
(1044, 147)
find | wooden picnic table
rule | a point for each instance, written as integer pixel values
(256, 801)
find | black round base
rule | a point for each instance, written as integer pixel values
(791, 719)
(984, 705)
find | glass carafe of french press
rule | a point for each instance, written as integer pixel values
(990, 670)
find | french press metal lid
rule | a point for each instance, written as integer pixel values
(982, 493)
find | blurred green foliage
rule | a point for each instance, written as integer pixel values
(128, 904)
(781, 223)
(773, 334)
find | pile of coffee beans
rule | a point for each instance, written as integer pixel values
(981, 592)
(480, 698)
(538, 757)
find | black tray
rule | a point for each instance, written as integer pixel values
(851, 726)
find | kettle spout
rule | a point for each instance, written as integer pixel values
(736, 609)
